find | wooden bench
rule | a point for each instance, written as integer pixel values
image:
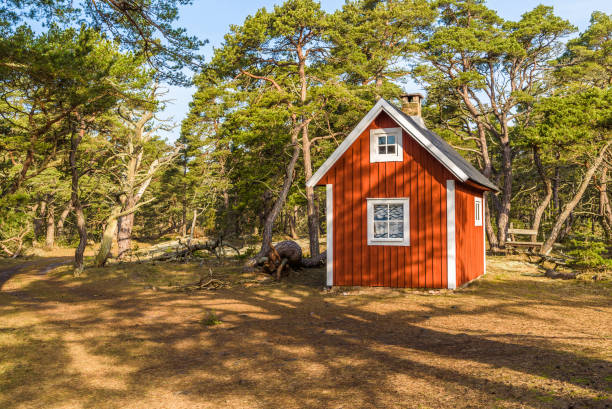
(524, 232)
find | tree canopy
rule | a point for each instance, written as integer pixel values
(527, 101)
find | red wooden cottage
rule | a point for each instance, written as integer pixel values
(404, 209)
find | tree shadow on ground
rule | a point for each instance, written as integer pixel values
(293, 345)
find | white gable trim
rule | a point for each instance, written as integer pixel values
(380, 106)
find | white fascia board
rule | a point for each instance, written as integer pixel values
(383, 105)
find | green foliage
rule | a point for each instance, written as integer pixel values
(146, 28)
(211, 319)
(590, 254)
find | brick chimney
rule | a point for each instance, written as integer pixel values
(411, 104)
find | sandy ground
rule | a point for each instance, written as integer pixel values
(129, 336)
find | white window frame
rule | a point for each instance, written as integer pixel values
(398, 156)
(405, 241)
(478, 211)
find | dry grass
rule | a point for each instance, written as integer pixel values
(130, 337)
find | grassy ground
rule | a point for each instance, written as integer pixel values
(129, 336)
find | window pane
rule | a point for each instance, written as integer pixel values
(382, 150)
(396, 212)
(391, 149)
(381, 140)
(396, 230)
(380, 212)
(380, 230)
(390, 139)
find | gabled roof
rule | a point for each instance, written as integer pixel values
(434, 144)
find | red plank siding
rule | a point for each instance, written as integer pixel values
(421, 178)
(470, 246)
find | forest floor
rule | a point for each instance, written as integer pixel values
(130, 336)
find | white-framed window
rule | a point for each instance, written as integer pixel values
(388, 222)
(477, 211)
(386, 145)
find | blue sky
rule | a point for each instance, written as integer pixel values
(210, 19)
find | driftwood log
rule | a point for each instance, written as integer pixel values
(287, 254)
(557, 262)
(183, 250)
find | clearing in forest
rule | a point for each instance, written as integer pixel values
(133, 336)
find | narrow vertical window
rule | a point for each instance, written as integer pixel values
(478, 211)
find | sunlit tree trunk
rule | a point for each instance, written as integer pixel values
(50, 236)
(569, 206)
(62, 219)
(541, 208)
(75, 140)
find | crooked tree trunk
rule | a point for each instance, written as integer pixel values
(605, 210)
(193, 223)
(111, 229)
(59, 230)
(556, 182)
(76, 202)
(125, 225)
(539, 211)
(107, 237)
(569, 207)
(50, 236)
(266, 243)
(312, 211)
(292, 222)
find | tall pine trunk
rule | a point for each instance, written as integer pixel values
(50, 236)
(75, 140)
(312, 209)
(503, 216)
(125, 225)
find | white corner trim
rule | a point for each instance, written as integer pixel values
(329, 216)
(484, 238)
(405, 241)
(398, 156)
(451, 258)
(380, 106)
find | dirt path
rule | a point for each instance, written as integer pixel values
(39, 266)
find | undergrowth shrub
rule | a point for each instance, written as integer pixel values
(590, 254)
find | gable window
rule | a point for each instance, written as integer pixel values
(477, 211)
(388, 222)
(386, 145)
